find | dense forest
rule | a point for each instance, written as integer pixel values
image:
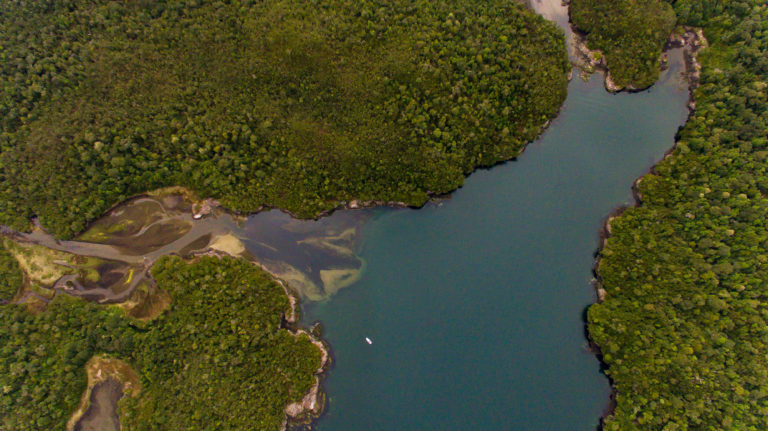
(217, 360)
(11, 277)
(684, 325)
(630, 33)
(295, 104)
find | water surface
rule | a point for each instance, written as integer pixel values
(475, 305)
(102, 413)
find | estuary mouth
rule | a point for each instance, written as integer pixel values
(316, 258)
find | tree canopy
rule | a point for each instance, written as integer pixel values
(11, 277)
(217, 360)
(293, 104)
(631, 34)
(684, 325)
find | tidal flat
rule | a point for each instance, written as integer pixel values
(315, 258)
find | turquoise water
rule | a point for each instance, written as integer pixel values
(475, 305)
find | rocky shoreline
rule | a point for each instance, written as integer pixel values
(691, 40)
(312, 406)
(309, 408)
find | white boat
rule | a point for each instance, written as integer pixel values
(368, 340)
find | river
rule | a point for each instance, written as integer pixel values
(473, 306)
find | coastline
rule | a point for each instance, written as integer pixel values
(691, 40)
(316, 391)
(313, 405)
(590, 61)
(101, 367)
(298, 415)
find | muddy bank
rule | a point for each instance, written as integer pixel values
(109, 379)
(315, 258)
(102, 413)
(110, 263)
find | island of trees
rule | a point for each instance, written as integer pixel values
(683, 328)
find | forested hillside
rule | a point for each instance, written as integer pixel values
(684, 325)
(630, 33)
(217, 360)
(295, 104)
